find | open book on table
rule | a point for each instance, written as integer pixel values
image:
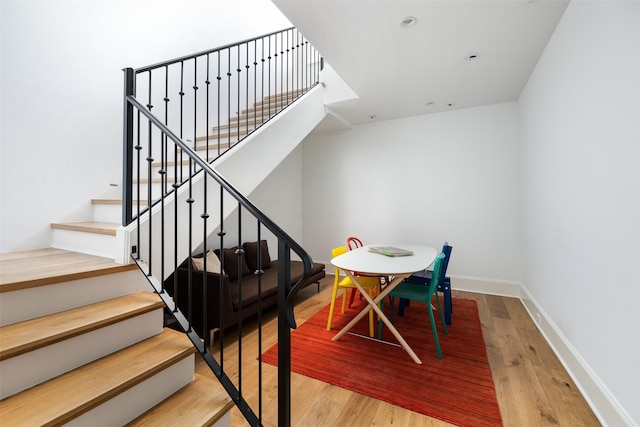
(390, 251)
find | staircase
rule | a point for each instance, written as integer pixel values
(82, 343)
(97, 236)
(82, 340)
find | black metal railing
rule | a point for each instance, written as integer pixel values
(211, 99)
(179, 205)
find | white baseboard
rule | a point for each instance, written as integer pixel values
(608, 411)
(605, 407)
(483, 286)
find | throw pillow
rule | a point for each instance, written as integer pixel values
(231, 262)
(251, 255)
(213, 263)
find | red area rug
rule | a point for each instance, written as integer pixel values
(457, 389)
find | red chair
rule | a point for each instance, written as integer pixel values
(354, 243)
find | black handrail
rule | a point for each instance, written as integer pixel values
(158, 230)
(208, 51)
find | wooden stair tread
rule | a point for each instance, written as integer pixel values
(273, 103)
(106, 201)
(63, 398)
(203, 147)
(39, 267)
(223, 137)
(97, 227)
(247, 121)
(241, 125)
(201, 403)
(30, 335)
(252, 113)
(252, 123)
(289, 93)
(170, 165)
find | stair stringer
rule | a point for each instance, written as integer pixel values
(271, 144)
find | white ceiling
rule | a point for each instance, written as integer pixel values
(395, 71)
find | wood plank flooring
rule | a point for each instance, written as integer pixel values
(532, 387)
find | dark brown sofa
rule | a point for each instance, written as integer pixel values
(238, 276)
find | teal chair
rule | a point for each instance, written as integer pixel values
(421, 293)
(444, 284)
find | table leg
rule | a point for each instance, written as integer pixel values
(373, 303)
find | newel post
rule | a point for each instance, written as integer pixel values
(127, 166)
(284, 336)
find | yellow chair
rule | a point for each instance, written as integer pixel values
(369, 283)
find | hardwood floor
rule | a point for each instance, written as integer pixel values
(532, 387)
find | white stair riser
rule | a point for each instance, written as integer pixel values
(88, 243)
(113, 212)
(29, 369)
(107, 213)
(171, 179)
(31, 303)
(129, 405)
(225, 421)
(155, 190)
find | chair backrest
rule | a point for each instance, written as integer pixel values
(334, 253)
(446, 250)
(354, 242)
(435, 277)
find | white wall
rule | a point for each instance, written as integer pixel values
(61, 86)
(580, 123)
(279, 196)
(427, 179)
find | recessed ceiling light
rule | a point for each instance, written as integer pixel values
(408, 22)
(430, 103)
(450, 104)
(372, 116)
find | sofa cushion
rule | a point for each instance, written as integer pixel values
(213, 263)
(251, 255)
(251, 292)
(231, 261)
(269, 282)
